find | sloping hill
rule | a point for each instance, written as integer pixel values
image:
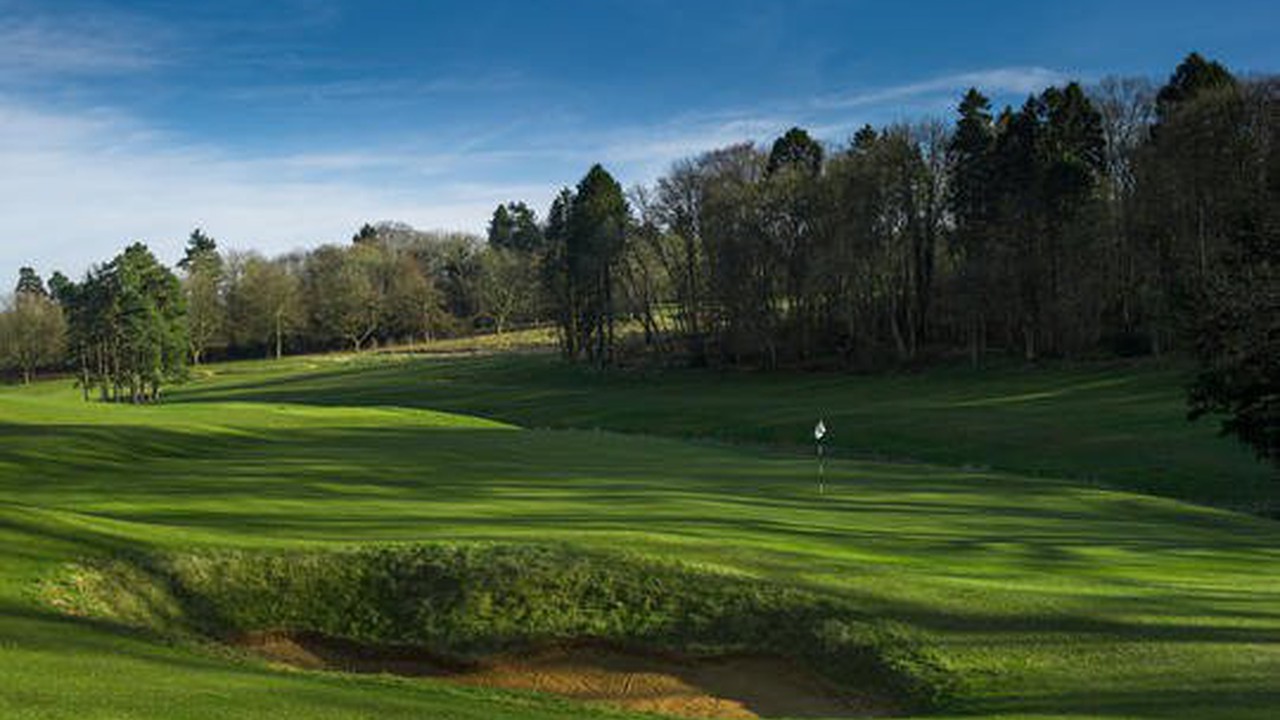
(1044, 596)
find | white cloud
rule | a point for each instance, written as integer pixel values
(77, 188)
(38, 48)
(644, 152)
(1013, 80)
(79, 185)
(641, 153)
(684, 137)
(376, 89)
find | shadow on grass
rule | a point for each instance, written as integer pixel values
(392, 483)
(1243, 701)
(1120, 427)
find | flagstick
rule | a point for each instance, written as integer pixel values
(822, 471)
(820, 434)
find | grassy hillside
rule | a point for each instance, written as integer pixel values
(1110, 425)
(1047, 597)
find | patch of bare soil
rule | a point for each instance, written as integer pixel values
(721, 687)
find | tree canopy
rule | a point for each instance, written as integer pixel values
(127, 328)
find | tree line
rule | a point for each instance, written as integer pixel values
(1123, 219)
(132, 324)
(1081, 222)
(1120, 219)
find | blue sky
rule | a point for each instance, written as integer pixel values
(277, 125)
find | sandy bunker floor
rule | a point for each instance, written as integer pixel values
(728, 687)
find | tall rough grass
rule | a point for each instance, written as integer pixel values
(470, 599)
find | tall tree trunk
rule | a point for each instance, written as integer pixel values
(279, 334)
(84, 373)
(608, 309)
(895, 329)
(976, 330)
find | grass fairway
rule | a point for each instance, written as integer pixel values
(1010, 549)
(1116, 425)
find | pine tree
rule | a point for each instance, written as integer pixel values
(795, 149)
(597, 233)
(973, 207)
(29, 283)
(501, 228)
(1194, 77)
(202, 286)
(559, 284)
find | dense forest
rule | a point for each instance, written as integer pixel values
(1127, 218)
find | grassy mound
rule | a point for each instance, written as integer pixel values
(467, 600)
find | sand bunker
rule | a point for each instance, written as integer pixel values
(724, 687)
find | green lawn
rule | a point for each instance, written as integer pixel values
(1109, 425)
(1000, 546)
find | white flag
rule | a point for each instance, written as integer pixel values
(819, 431)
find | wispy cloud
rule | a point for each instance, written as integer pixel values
(644, 152)
(1013, 80)
(79, 184)
(376, 88)
(37, 48)
(78, 187)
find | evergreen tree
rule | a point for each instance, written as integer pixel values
(1194, 179)
(972, 204)
(367, 235)
(1236, 315)
(128, 329)
(527, 237)
(560, 286)
(200, 247)
(864, 140)
(1194, 77)
(514, 226)
(795, 149)
(1073, 153)
(596, 235)
(789, 210)
(152, 343)
(29, 283)
(202, 287)
(502, 228)
(584, 240)
(1238, 348)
